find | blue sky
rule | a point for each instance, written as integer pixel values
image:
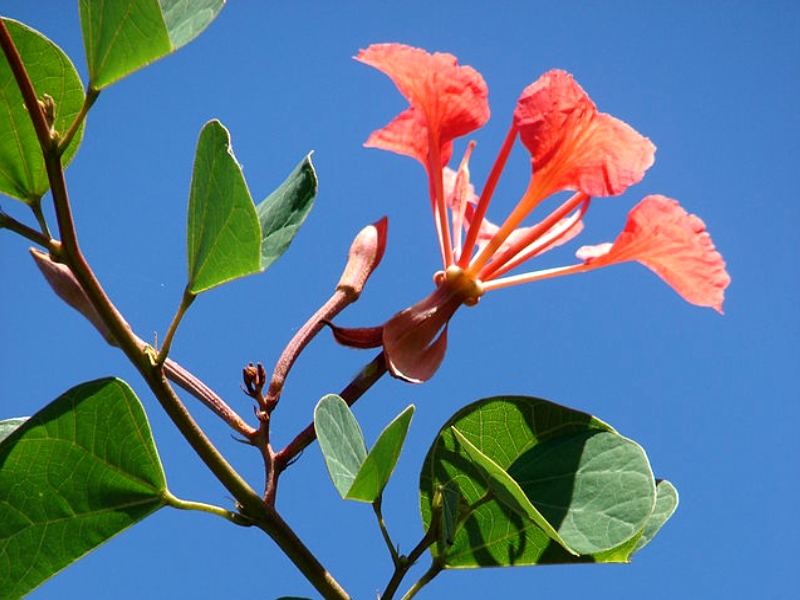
(713, 399)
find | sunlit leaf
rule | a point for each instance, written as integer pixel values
(123, 36)
(186, 19)
(22, 168)
(285, 210)
(8, 426)
(666, 503)
(593, 469)
(377, 468)
(340, 440)
(223, 235)
(74, 475)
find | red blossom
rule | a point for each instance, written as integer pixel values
(674, 245)
(573, 147)
(447, 100)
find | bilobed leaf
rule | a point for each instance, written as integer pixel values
(186, 19)
(507, 491)
(22, 169)
(377, 468)
(340, 440)
(666, 503)
(8, 426)
(123, 36)
(593, 470)
(285, 210)
(74, 475)
(223, 235)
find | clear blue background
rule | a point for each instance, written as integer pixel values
(714, 400)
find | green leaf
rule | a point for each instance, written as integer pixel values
(594, 470)
(186, 19)
(223, 235)
(74, 475)
(666, 503)
(285, 210)
(340, 440)
(377, 468)
(22, 169)
(8, 426)
(596, 487)
(507, 491)
(123, 36)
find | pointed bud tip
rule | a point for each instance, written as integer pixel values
(364, 257)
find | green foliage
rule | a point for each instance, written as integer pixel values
(75, 474)
(503, 488)
(283, 212)
(223, 234)
(666, 503)
(22, 168)
(357, 475)
(123, 36)
(592, 485)
(8, 426)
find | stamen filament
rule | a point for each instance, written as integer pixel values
(486, 196)
(460, 200)
(547, 241)
(536, 276)
(495, 268)
(439, 207)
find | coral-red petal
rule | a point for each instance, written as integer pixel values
(672, 243)
(574, 147)
(449, 100)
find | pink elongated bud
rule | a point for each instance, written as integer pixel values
(364, 257)
(66, 287)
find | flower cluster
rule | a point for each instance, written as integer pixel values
(573, 147)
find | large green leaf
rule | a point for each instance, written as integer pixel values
(223, 234)
(595, 471)
(121, 36)
(340, 440)
(75, 474)
(22, 169)
(377, 468)
(666, 503)
(284, 211)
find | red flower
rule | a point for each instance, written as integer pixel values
(573, 147)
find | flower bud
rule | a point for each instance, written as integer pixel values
(364, 257)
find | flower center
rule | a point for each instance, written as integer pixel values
(459, 285)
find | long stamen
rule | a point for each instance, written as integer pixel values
(486, 196)
(439, 207)
(458, 207)
(536, 276)
(494, 268)
(548, 240)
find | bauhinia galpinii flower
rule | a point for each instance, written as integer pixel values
(573, 147)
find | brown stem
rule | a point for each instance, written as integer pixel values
(8, 222)
(355, 389)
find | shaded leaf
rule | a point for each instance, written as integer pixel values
(74, 475)
(666, 503)
(8, 426)
(22, 169)
(507, 491)
(223, 235)
(509, 430)
(123, 36)
(377, 468)
(285, 210)
(340, 440)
